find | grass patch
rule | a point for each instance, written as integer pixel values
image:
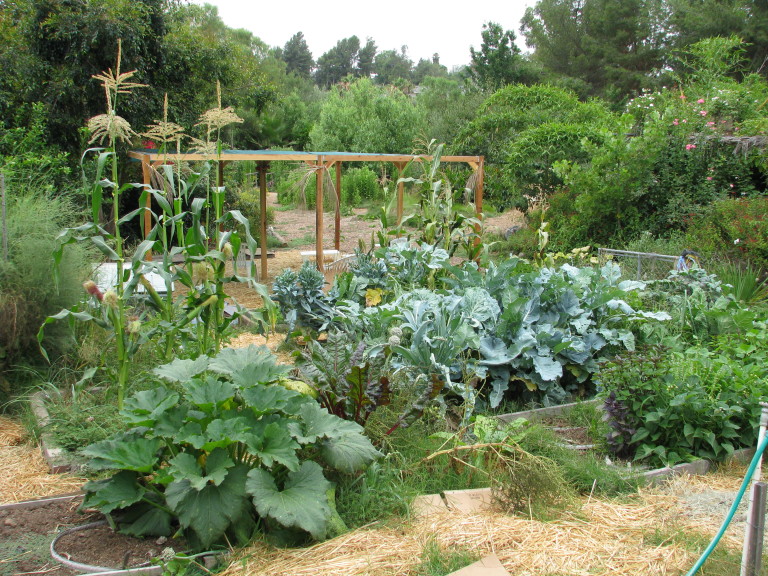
(30, 548)
(77, 422)
(306, 239)
(438, 561)
(584, 472)
(387, 488)
(723, 561)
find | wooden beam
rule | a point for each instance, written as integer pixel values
(262, 168)
(271, 155)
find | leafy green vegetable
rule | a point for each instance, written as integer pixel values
(224, 451)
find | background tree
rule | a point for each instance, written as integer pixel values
(425, 68)
(338, 63)
(522, 131)
(695, 20)
(365, 58)
(598, 47)
(364, 117)
(297, 56)
(68, 42)
(499, 61)
(680, 162)
(391, 66)
(448, 107)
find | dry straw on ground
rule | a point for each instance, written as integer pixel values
(617, 538)
(600, 538)
(23, 471)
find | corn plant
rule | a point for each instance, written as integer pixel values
(199, 317)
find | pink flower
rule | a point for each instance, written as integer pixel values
(709, 177)
(690, 146)
(675, 122)
(682, 96)
(703, 112)
(684, 120)
(732, 186)
(710, 123)
(700, 101)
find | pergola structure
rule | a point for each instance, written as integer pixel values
(152, 158)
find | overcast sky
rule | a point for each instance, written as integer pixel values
(448, 28)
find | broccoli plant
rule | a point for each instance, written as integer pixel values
(301, 298)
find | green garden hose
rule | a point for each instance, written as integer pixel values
(750, 471)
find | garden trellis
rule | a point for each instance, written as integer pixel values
(647, 265)
(322, 160)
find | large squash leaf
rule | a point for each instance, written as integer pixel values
(145, 408)
(119, 491)
(349, 452)
(315, 423)
(272, 443)
(248, 366)
(210, 511)
(209, 394)
(269, 399)
(145, 519)
(302, 503)
(124, 452)
(182, 370)
(186, 466)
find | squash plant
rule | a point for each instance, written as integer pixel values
(222, 450)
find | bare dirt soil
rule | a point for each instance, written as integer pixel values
(297, 227)
(26, 534)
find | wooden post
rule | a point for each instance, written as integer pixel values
(479, 168)
(319, 212)
(263, 166)
(479, 188)
(337, 221)
(400, 192)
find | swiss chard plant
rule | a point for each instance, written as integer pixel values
(220, 450)
(348, 384)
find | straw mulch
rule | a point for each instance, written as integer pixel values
(600, 538)
(23, 471)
